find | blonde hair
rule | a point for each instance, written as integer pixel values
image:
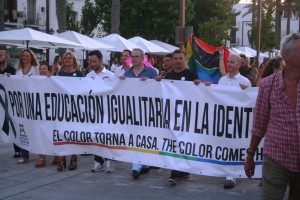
(75, 63)
(34, 60)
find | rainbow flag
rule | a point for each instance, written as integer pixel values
(203, 59)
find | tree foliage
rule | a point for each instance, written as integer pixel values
(268, 34)
(149, 19)
(213, 22)
(93, 14)
(71, 22)
(211, 19)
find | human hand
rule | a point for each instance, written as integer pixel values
(158, 78)
(7, 74)
(122, 77)
(221, 52)
(144, 78)
(249, 167)
(243, 86)
(197, 81)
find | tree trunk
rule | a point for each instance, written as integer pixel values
(254, 11)
(61, 15)
(2, 15)
(278, 23)
(288, 21)
(115, 16)
(61, 19)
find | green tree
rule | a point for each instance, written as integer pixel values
(115, 16)
(2, 15)
(71, 23)
(93, 15)
(213, 21)
(61, 15)
(149, 19)
(268, 34)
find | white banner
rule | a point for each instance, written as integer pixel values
(169, 124)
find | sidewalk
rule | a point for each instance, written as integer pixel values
(23, 181)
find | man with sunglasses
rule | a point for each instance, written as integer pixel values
(277, 118)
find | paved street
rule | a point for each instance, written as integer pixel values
(26, 182)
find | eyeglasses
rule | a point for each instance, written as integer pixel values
(135, 56)
(294, 36)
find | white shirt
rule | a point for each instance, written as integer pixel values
(113, 67)
(34, 70)
(235, 81)
(119, 71)
(102, 74)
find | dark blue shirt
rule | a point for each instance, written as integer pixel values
(146, 72)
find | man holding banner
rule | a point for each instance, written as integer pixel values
(139, 70)
(180, 72)
(233, 78)
(99, 72)
(277, 118)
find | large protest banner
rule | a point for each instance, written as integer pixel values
(170, 124)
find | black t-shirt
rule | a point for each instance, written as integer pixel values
(185, 75)
(8, 69)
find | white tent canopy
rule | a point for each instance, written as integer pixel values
(118, 42)
(247, 51)
(237, 51)
(28, 37)
(87, 42)
(164, 45)
(148, 46)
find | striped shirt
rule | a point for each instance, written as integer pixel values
(278, 122)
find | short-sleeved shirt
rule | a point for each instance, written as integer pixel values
(77, 73)
(235, 81)
(102, 74)
(9, 69)
(185, 75)
(276, 120)
(146, 72)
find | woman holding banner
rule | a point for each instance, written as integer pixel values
(28, 65)
(69, 68)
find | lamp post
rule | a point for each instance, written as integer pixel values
(182, 24)
(47, 27)
(258, 31)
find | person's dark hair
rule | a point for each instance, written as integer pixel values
(177, 51)
(56, 59)
(96, 53)
(169, 55)
(272, 64)
(243, 56)
(47, 64)
(127, 50)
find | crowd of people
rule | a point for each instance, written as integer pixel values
(276, 114)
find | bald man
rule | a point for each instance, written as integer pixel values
(234, 77)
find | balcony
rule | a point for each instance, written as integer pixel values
(19, 19)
